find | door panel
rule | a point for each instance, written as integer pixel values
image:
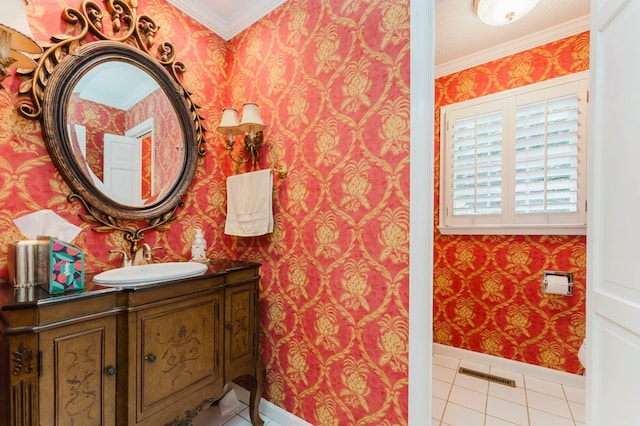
(178, 351)
(77, 386)
(613, 298)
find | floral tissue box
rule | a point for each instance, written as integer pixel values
(66, 267)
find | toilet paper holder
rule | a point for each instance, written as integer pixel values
(557, 282)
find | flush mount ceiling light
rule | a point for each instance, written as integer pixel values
(501, 12)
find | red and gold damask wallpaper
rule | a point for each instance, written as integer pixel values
(487, 289)
(332, 81)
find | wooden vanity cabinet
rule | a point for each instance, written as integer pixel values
(155, 355)
(58, 360)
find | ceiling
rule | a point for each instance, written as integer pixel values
(227, 18)
(459, 32)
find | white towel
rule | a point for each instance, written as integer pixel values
(249, 204)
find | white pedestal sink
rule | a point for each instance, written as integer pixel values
(140, 275)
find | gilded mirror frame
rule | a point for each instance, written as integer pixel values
(63, 63)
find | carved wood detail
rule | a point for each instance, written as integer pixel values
(190, 415)
(24, 396)
(23, 360)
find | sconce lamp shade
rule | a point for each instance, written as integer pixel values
(251, 120)
(13, 19)
(21, 60)
(501, 12)
(229, 122)
(251, 126)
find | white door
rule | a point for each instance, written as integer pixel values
(613, 240)
(122, 169)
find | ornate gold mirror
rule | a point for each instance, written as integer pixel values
(119, 126)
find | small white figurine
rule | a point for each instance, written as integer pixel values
(199, 248)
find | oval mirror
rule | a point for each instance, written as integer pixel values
(120, 131)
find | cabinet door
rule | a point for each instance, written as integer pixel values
(240, 330)
(77, 382)
(178, 351)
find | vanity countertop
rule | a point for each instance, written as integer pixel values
(14, 298)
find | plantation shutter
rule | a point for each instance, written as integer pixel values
(546, 166)
(477, 165)
(514, 162)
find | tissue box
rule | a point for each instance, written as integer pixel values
(66, 266)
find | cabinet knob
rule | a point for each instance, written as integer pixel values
(151, 358)
(230, 325)
(111, 371)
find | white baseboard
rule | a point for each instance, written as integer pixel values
(543, 373)
(272, 411)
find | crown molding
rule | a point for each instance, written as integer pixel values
(548, 35)
(234, 25)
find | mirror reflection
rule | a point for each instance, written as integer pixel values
(125, 134)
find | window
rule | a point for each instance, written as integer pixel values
(515, 162)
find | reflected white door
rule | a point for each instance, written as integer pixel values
(613, 298)
(122, 173)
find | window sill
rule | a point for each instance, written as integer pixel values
(514, 230)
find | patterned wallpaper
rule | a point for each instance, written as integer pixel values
(487, 289)
(332, 82)
(96, 119)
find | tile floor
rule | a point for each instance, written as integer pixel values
(240, 417)
(461, 400)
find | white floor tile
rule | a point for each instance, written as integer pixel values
(533, 402)
(508, 393)
(549, 404)
(573, 394)
(446, 361)
(236, 421)
(457, 415)
(440, 389)
(541, 418)
(506, 410)
(493, 421)
(473, 383)
(578, 411)
(443, 373)
(211, 417)
(437, 408)
(468, 398)
(542, 386)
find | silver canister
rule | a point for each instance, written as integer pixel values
(28, 263)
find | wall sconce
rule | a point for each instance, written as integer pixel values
(251, 126)
(15, 38)
(501, 12)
